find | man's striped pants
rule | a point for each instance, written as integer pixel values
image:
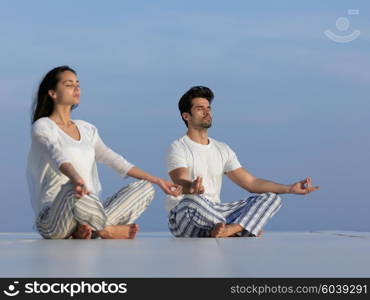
(60, 219)
(196, 216)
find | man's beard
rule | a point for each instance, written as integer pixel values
(206, 124)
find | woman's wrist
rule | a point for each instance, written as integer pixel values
(76, 180)
(151, 178)
(155, 180)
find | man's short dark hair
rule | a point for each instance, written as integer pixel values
(186, 103)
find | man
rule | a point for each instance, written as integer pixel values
(197, 163)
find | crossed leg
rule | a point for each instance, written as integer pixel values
(87, 217)
(201, 217)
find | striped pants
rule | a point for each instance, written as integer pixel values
(61, 218)
(196, 217)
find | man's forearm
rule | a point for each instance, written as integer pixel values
(260, 186)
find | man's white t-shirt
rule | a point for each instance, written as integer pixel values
(210, 162)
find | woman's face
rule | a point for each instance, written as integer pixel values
(67, 91)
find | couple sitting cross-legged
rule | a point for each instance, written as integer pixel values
(64, 183)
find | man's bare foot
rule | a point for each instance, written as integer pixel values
(119, 231)
(83, 231)
(259, 234)
(223, 230)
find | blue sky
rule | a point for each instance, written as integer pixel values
(291, 102)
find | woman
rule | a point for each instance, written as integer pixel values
(62, 173)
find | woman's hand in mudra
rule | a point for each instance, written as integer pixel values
(80, 188)
(169, 188)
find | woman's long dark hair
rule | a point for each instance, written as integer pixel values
(43, 105)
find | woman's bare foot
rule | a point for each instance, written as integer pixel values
(223, 230)
(119, 231)
(83, 231)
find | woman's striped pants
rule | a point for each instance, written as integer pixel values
(60, 219)
(197, 216)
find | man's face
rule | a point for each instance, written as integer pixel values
(201, 114)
